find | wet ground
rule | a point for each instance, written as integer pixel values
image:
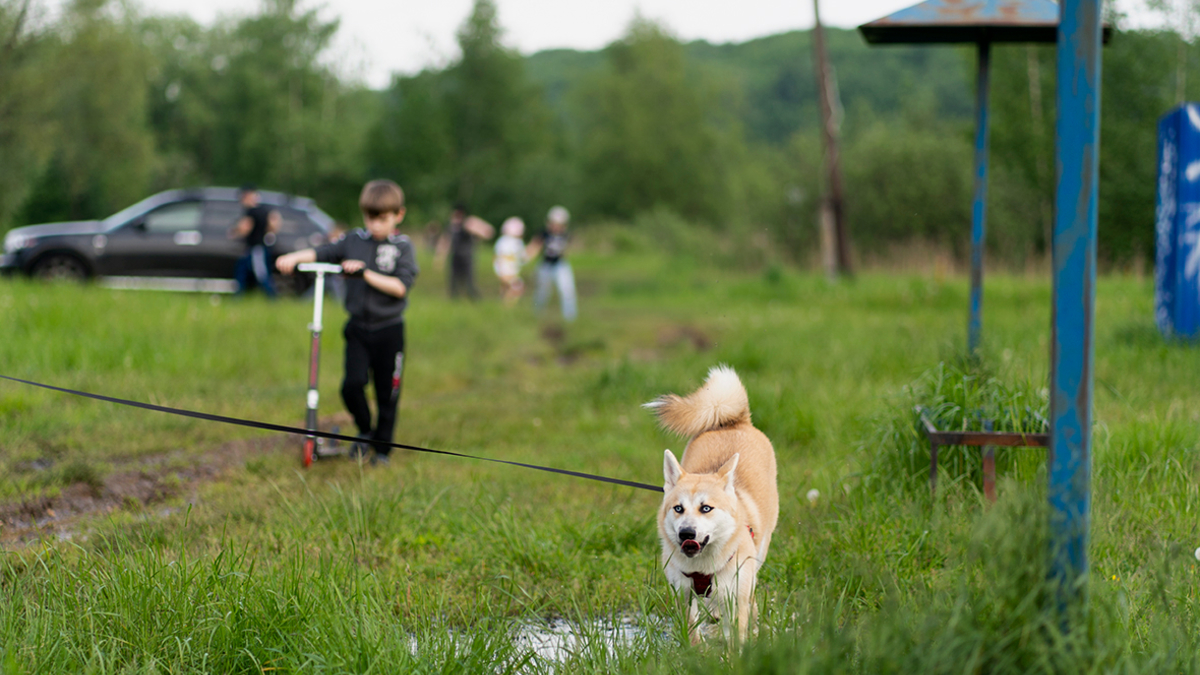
(556, 640)
(141, 483)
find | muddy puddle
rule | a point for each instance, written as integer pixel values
(555, 641)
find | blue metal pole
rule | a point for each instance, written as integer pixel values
(1078, 140)
(979, 211)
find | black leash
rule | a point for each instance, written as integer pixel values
(322, 434)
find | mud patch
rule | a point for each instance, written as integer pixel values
(554, 334)
(567, 350)
(672, 336)
(134, 483)
(41, 464)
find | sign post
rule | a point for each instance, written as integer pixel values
(1071, 359)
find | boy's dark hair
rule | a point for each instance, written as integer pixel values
(381, 196)
(248, 187)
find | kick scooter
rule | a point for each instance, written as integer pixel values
(313, 445)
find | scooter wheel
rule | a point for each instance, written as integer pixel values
(310, 448)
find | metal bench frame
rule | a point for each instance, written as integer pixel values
(987, 440)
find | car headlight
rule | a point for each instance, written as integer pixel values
(15, 241)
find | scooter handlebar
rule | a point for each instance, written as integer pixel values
(328, 268)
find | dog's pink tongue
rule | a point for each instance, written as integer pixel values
(690, 545)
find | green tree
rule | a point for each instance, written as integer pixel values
(182, 97)
(477, 131)
(412, 142)
(909, 182)
(1183, 18)
(25, 103)
(652, 135)
(272, 96)
(1021, 177)
(103, 152)
(251, 101)
(1138, 88)
(505, 153)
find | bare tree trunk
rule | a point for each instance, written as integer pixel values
(829, 260)
(832, 210)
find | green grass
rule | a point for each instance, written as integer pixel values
(430, 564)
(968, 393)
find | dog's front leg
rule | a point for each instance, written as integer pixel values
(747, 574)
(753, 614)
(693, 620)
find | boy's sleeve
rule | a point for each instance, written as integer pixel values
(406, 268)
(333, 252)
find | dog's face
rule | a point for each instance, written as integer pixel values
(699, 509)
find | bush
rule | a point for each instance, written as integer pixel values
(956, 396)
(909, 184)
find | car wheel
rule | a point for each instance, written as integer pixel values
(60, 266)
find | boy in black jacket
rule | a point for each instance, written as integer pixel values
(380, 265)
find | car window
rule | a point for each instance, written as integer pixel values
(221, 216)
(174, 218)
(130, 212)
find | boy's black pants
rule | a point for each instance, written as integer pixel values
(377, 355)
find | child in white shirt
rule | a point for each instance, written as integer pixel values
(510, 256)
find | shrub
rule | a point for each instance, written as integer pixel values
(959, 395)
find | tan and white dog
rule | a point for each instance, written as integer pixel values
(721, 503)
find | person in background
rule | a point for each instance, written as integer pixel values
(380, 265)
(257, 227)
(554, 269)
(459, 242)
(510, 256)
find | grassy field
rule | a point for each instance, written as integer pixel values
(437, 564)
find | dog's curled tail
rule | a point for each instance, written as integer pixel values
(720, 402)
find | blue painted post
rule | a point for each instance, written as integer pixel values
(1071, 359)
(979, 212)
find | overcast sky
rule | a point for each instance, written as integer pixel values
(379, 37)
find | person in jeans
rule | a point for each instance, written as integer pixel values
(380, 265)
(257, 227)
(554, 269)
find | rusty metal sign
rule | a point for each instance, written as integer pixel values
(967, 21)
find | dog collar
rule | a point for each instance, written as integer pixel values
(701, 582)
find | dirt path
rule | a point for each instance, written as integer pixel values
(141, 483)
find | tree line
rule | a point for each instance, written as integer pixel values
(102, 105)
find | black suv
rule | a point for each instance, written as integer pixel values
(175, 240)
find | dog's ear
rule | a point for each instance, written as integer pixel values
(671, 470)
(727, 470)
